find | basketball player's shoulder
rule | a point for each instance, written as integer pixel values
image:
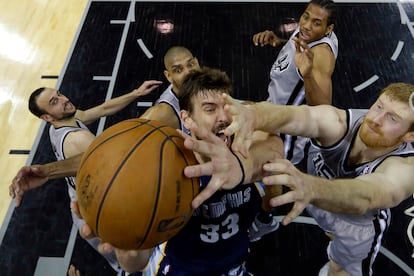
(162, 112)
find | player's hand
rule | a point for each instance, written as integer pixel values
(73, 271)
(265, 38)
(242, 125)
(223, 166)
(283, 172)
(27, 178)
(147, 87)
(303, 57)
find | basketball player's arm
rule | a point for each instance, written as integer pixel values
(228, 169)
(323, 122)
(116, 104)
(133, 260)
(316, 66)
(390, 184)
(267, 38)
(34, 176)
(164, 113)
(130, 260)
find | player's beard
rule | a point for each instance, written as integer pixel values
(218, 131)
(68, 115)
(374, 138)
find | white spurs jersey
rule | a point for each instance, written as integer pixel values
(331, 162)
(360, 235)
(57, 138)
(170, 98)
(286, 87)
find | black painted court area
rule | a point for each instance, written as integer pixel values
(220, 35)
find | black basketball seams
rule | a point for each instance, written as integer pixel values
(133, 149)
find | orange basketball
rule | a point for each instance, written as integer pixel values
(131, 186)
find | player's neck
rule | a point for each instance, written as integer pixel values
(65, 122)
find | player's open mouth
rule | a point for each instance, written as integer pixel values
(68, 106)
(226, 139)
(303, 35)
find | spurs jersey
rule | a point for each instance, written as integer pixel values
(357, 239)
(170, 98)
(57, 138)
(215, 241)
(286, 87)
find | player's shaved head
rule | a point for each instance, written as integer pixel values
(174, 51)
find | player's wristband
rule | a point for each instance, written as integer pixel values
(241, 167)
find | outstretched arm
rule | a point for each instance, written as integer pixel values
(34, 176)
(116, 104)
(390, 184)
(323, 122)
(130, 260)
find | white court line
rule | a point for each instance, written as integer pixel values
(118, 21)
(101, 78)
(404, 17)
(130, 17)
(397, 50)
(144, 104)
(366, 83)
(144, 48)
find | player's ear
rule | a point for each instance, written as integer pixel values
(46, 117)
(196, 61)
(329, 29)
(167, 75)
(185, 118)
(408, 137)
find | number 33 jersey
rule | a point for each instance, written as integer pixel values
(215, 240)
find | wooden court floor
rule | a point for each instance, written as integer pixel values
(36, 37)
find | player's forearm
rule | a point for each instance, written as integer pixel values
(345, 196)
(64, 168)
(286, 119)
(316, 94)
(112, 106)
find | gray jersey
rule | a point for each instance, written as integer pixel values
(286, 87)
(170, 98)
(57, 138)
(357, 238)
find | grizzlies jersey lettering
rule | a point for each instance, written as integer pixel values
(57, 138)
(360, 234)
(170, 98)
(215, 241)
(286, 87)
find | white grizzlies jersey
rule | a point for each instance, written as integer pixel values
(286, 87)
(170, 98)
(57, 138)
(357, 238)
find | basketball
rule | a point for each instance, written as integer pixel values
(131, 187)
